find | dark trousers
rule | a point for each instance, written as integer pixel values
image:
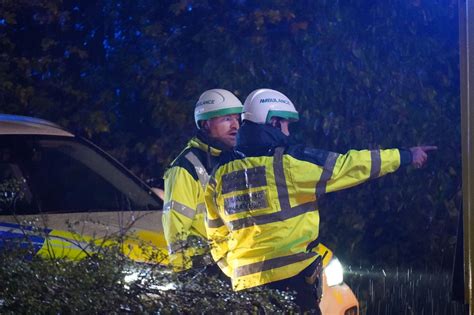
(307, 295)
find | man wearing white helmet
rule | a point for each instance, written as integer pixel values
(217, 117)
(262, 214)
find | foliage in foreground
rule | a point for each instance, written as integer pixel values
(363, 74)
(111, 283)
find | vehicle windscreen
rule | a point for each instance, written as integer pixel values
(41, 174)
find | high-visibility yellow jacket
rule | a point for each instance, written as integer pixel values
(184, 208)
(262, 202)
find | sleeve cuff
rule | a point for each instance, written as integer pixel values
(405, 157)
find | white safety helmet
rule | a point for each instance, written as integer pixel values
(263, 104)
(214, 103)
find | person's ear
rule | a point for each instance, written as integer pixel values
(205, 125)
(275, 122)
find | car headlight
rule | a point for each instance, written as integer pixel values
(334, 272)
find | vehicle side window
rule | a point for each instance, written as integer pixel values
(14, 191)
(54, 175)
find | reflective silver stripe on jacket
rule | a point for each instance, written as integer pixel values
(200, 169)
(327, 173)
(180, 208)
(214, 223)
(271, 217)
(280, 180)
(271, 264)
(376, 163)
(201, 208)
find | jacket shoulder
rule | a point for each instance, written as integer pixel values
(308, 154)
(229, 156)
(226, 158)
(183, 162)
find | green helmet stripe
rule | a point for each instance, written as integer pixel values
(282, 114)
(219, 112)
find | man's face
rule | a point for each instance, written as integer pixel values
(223, 128)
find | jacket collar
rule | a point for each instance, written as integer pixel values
(259, 139)
(203, 142)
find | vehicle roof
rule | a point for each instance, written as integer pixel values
(23, 125)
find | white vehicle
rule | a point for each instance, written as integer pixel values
(77, 194)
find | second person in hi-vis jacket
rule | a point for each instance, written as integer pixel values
(262, 214)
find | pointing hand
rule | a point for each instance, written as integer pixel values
(419, 155)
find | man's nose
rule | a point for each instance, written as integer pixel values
(235, 124)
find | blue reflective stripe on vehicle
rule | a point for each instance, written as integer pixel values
(21, 227)
(14, 234)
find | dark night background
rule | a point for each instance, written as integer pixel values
(363, 74)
